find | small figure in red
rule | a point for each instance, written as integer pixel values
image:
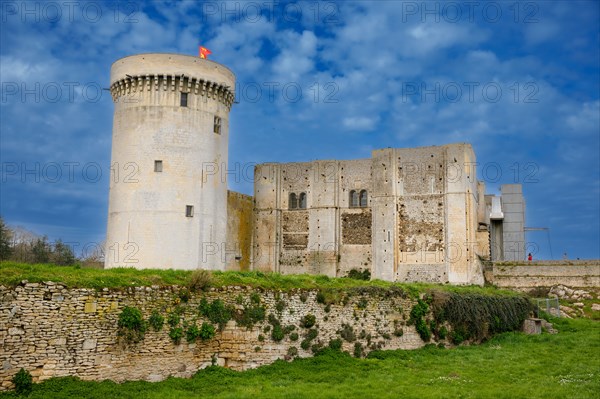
(529, 257)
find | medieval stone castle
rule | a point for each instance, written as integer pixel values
(405, 214)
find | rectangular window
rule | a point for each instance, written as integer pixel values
(217, 126)
(183, 100)
(158, 166)
(189, 211)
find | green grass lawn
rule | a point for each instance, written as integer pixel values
(12, 273)
(511, 365)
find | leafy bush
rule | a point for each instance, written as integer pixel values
(358, 349)
(261, 337)
(335, 344)
(207, 331)
(417, 314)
(176, 333)
(347, 333)
(216, 312)
(280, 305)
(308, 321)
(442, 332)
(362, 303)
(477, 316)
(277, 333)
(321, 297)
(192, 333)
(255, 298)
(250, 315)
(184, 295)
(359, 275)
(200, 280)
(294, 336)
(303, 297)
(156, 321)
(173, 319)
(312, 334)
(292, 351)
(132, 325)
(23, 382)
(305, 344)
(288, 329)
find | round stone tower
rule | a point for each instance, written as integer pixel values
(168, 188)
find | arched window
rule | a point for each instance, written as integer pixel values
(363, 199)
(293, 201)
(353, 198)
(302, 202)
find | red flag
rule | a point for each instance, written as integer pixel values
(204, 52)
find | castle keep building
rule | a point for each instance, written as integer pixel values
(407, 214)
(167, 208)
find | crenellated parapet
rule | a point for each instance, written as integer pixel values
(176, 83)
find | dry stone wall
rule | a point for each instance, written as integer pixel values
(584, 273)
(51, 330)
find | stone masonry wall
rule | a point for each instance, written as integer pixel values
(53, 331)
(547, 274)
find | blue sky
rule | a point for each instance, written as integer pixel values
(316, 80)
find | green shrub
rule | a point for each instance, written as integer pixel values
(478, 316)
(217, 312)
(362, 303)
(156, 321)
(328, 308)
(358, 349)
(320, 297)
(312, 334)
(23, 382)
(308, 321)
(255, 298)
(132, 325)
(257, 349)
(207, 331)
(261, 337)
(303, 297)
(294, 336)
(184, 295)
(192, 333)
(279, 306)
(250, 315)
(305, 344)
(398, 332)
(335, 344)
(359, 275)
(423, 330)
(176, 333)
(200, 280)
(315, 348)
(173, 319)
(443, 332)
(288, 329)
(347, 333)
(277, 333)
(292, 351)
(417, 314)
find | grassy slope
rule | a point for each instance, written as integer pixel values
(512, 365)
(12, 273)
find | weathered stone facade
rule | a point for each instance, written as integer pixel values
(408, 214)
(52, 331)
